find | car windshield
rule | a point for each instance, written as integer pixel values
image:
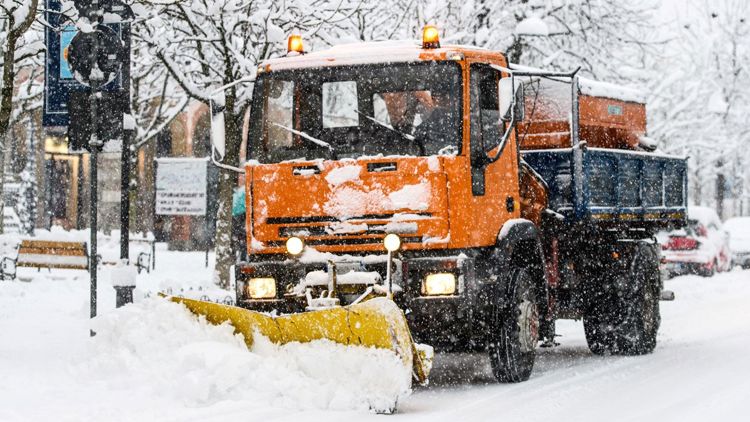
(354, 111)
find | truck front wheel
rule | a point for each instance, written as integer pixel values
(515, 329)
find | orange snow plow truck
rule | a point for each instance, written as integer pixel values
(438, 195)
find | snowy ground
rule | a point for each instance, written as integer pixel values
(152, 361)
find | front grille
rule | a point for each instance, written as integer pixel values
(348, 241)
(329, 219)
(315, 231)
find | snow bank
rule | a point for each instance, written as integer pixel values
(160, 346)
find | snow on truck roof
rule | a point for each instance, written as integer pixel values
(368, 52)
(412, 51)
(597, 88)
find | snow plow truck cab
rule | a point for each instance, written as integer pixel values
(470, 192)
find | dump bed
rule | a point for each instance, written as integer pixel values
(613, 187)
(602, 114)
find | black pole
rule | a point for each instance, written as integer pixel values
(208, 223)
(79, 194)
(125, 196)
(94, 144)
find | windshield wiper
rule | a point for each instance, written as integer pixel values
(387, 126)
(312, 139)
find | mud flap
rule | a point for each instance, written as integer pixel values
(378, 322)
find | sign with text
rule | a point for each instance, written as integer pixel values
(181, 186)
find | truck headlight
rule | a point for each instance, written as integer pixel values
(295, 245)
(439, 284)
(261, 288)
(392, 242)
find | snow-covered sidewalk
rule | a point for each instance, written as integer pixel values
(153, 361)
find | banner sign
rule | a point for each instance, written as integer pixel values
(181, 186)
(58, 78)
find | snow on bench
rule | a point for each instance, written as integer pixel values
(46, 254)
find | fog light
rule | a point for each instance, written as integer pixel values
(439, 284)
(261, 288)
(295, 245)
(392, 242)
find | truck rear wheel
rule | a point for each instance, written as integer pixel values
(628, 323)
(515, 329)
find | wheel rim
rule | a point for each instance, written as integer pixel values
(528, 323)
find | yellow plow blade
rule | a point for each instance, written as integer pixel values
(378, 322)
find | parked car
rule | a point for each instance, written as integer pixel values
(739, 240)
(702, 247)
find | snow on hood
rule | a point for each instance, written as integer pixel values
(702, 214)
(739, 233)
(160, 346)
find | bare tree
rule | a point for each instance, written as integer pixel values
(699, 103)
(207, 44)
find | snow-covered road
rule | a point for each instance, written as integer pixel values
(699, 371)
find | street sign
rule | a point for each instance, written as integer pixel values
(110, 55)
(110, 106)
(181, 186)
(59, 80)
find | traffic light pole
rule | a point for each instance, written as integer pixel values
(95, 143)
(93, 258)
(125, 195)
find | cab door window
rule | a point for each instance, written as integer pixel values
(486, 125)
(279, 115)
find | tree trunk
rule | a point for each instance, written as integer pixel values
(3, 140)
(720, 183)
(6, 106)
(225, 256)
(697, 183)
(6, 94)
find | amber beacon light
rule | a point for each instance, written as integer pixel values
(294, 44)
(430, 37)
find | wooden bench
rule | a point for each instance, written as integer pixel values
(46, 254)
(143, 261)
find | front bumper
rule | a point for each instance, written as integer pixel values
(448, 323)
(697, 257)
(683, 268)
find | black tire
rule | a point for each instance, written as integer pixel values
(710, 272)
(599, 335)
(514, 329)
(628, 324)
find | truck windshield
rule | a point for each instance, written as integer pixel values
(354, 111)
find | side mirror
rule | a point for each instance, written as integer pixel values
(520, 105)
(505, 94)
(218, 138)
(511, 99)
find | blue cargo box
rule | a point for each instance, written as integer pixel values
(629, 188)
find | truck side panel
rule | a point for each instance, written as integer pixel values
(610, 186)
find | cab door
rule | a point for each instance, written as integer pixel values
(488, 196)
